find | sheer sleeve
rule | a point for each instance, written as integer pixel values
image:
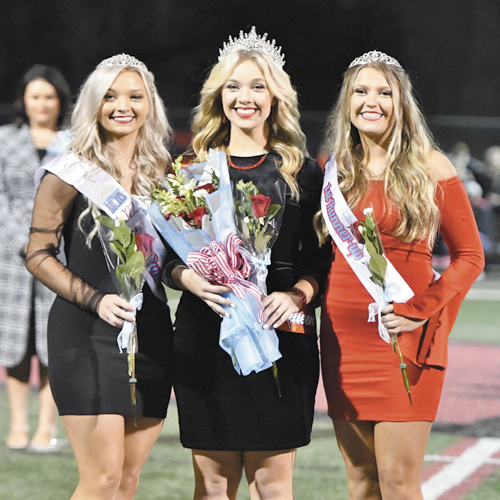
(53, 204)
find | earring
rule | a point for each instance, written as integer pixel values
(224, 119)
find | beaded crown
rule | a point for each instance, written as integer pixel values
(122, 60)
(252, 41)
(374, 56)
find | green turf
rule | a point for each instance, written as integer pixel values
(477, 321)
(489, 490)
(319, 472)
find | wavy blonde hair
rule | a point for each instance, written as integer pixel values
(285, 136)
(409, 183)
(151, 157)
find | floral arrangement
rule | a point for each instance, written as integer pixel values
(215, 250)
(128, 256)
(185, 199)
(378, 266)
(256, 217)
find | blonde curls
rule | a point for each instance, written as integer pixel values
(151, 157)
(285, 136)
(409, 183)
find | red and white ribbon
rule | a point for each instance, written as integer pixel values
(226, 265)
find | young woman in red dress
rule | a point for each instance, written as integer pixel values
(386, 159)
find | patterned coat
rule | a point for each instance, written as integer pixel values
(18, 161)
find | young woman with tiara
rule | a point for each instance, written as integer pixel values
(235, 423)
(384, 158)
(118, 126)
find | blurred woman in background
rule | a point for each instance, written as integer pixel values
(36, 136)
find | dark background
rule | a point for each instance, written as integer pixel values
(451, 48)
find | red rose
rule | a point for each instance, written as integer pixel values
(209, 187)
(196, 215)
(260, 205)
(144, 243)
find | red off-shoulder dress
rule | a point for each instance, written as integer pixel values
(360, 372)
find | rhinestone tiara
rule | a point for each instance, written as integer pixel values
(374, 56)
(252, 41)
(122, 60)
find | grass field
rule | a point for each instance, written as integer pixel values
(319, 472)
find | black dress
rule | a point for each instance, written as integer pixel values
(219, 409)
(88, 374)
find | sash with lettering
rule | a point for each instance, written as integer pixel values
(105, 192)
(339, 220)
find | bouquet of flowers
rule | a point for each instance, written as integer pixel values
(378, 267)
(129, 256)
(195, 213)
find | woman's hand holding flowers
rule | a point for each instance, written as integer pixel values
(396, 324)
(279, 306)
(188, 279)
(113, 309)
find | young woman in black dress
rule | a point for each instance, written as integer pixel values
(237, 423)
(118, 125)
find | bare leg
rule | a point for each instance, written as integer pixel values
(400, 450)
(138, 443)
(269, 474)
(18, 393)
(357, 444)
(98, 443)
(47, 417)
(217, 474)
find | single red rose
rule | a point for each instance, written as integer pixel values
(196, 215)
(260, 205)
(144, 243)
(167, 216)
(209, 187)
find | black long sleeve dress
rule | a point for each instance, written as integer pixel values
(88, 374)
(219, 409)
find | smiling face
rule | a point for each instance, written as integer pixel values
(124, 107)
(41, 104)
(372, 105)
(246, 99)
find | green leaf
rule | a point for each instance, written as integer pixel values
(272, 211)
(118, 249)
(135, 266)
(106, 221)
(131, 249)
(123, 234)
(369, 222)
(370, 247)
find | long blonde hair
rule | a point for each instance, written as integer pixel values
(409, 183)
(285, 136)
(151, 157)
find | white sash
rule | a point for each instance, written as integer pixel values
(339, 220)
(105, 191)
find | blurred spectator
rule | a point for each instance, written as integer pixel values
(36, 135)
(483, 213)
(470, 168)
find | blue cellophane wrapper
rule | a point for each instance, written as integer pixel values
(251, 347)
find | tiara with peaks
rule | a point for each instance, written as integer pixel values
(252, 41)
(375, 56)
(122, 60)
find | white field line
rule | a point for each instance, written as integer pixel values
(449, 458)
(461, 467)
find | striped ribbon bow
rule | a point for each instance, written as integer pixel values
(226, 265)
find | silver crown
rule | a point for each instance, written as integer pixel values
(252, 41)
(375, 56)
(122, 60)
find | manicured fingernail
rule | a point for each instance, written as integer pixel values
(233, 305)
(265, 327)
(276, 325)
(227, 315)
